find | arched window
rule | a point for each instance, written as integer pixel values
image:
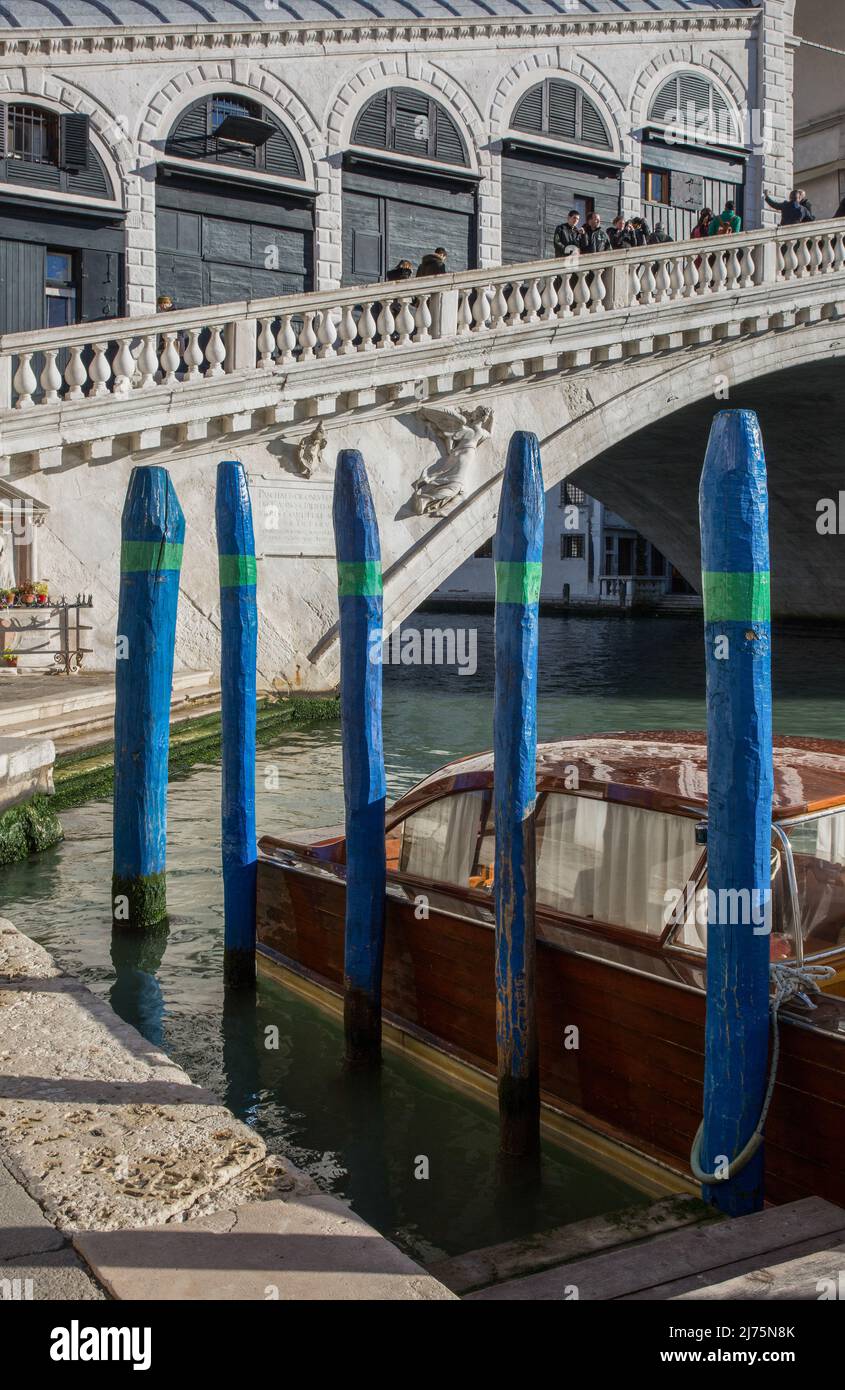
(230, 129)
(408, 122)
(45, 149)
(692, 101)
(561, 111)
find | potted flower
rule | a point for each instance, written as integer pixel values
(25, 594)
(42, 590)
(8, 663)
(6, 598)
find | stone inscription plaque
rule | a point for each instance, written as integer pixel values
(292, 518)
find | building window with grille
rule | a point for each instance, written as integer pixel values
(33, 135)
(572, 546)
(572, 496)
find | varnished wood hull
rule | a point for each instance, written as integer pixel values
(637, 1072)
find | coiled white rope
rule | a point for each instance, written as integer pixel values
(791, 982)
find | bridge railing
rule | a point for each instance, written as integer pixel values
(116, 358)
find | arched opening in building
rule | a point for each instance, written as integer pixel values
(61, 233)
(692, 154)
(234, 213)
(408, 187)
(558, 156)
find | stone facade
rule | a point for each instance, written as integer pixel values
(134, 83)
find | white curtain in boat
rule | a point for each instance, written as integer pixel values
(439, 841)
(610, 862)
(830, 841)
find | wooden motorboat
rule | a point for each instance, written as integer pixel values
(621, 928)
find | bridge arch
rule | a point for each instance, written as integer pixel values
(593, 418)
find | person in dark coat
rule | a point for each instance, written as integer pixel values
(434, 263)
(403, 270)
(641, 231)
(569, 238)
(659, 235)
(619, 234)
(595, 238)
(794, 209)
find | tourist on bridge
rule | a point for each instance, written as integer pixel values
(641, 230)
(595, 238)
(794, 209)
(620, 234)
(728, 217)
(659, 235)
(403, 270)
(569, 238)
(434, 263)
(702, 226)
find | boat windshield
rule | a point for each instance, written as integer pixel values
(818, 850)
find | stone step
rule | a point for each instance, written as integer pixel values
(74, 706)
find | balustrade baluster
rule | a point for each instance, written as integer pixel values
(734, 269)
(648, 283)
(481, 308)
(422, 320)
(567, 297)
(266, 344)
(598, 291)
(51, 379)
(386, 326)
(549, 297)
(307, 336)
(367, 329)
(348, 330)
(838, 251)
(815, 256)
(790, 261)
(193, 355)
(664, 281)
(215, 352)
(498, 307)
(123, 367)
(636, 283)
(720, 271)
(826, 256)
(749, 267)
(326, 334)
(516, 306)
(677, 278)
(464, 312)
(76, 375)
(533, 302)
(286, 340)
(691, 276)
(24, 382)
(170, 361)
(404, 323)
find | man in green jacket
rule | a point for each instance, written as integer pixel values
(728, 217)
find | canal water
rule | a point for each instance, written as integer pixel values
(362, 1140)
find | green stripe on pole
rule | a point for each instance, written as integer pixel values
(518, 581)
(236, 570)
(742, 597)
(150, 555)
(359, 577)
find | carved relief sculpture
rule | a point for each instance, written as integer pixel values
(309, 452)
(460, 432)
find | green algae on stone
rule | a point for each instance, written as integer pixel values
(28, 828)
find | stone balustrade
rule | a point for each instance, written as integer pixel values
(331, 341)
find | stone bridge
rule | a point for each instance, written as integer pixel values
(618, 365)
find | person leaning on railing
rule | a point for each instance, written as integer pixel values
(793, 209)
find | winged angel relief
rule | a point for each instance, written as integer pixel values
(460, 432)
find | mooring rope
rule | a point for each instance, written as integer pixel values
(791, 981)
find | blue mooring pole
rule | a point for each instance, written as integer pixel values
(518, 555)
(238, 656)
(359, 587)
(152, 535)
(737, 635)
